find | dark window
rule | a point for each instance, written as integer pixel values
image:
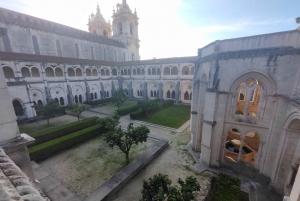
(61, 101)
(76, 99)
(80, 98)
(173, 94)
(168, 94)
(58, 47)
(77, 50)
(92, 52)
(18, 108)
(35, 45)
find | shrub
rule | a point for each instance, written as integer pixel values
(127, 110)
(98, 102)
(50, 134)
(45, 150)
(167, 103)
(138, 114)
(226, 188)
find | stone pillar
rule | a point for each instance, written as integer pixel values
(177, 92)
(11, 141)
(130, 89)
(87, 88)
(295, 194)
(113, 88)
(70, 95)
(145, 91)
(160, 91)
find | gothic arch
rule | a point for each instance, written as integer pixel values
(8, 72)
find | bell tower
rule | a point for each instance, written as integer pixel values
(98, 25)
(125, 29)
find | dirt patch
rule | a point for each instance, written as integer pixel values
(83, 168)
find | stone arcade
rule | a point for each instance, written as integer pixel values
(244, 92)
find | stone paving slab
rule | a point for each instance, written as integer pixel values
(49, 183)
(40, 173)
(60, 193)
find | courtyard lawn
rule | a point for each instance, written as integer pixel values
(110, 108)
(128, 103)
(173, 116)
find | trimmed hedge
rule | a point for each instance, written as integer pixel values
(50, 134)
(45, 150)
(127, 110)
(98, 102)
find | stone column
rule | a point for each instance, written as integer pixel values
(177, 92)
(11, 141)
(130, 89)
(160, 91)
(145, 91)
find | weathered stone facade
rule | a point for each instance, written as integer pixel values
(245, 92)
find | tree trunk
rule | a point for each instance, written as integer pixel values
(78, 117)
(127, 158)
(48, 120)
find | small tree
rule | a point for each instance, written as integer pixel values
(149, 105)
(125, 139)
(50, 109)
(159, 188)
(119, 97)
(76, 109)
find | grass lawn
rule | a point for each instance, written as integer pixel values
(173, 116)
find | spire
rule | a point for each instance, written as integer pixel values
(98, 9)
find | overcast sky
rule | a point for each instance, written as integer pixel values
(174, 28)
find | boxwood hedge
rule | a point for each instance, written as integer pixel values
(127, 110)
(45, 150)
(98, 102)
(50, 134)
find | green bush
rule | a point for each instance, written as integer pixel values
(98, 102)
(50, 134)
(127, 110)
(225, 188)
(45, 150)
(138, 114)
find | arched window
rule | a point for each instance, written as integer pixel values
(122, 72)
(49, 72)
(92, 96)
(58, 72)
(35, 45)
(40, 102)
(80, 98)
(138, 92)
(107, 94)
(95, 72)
(153, 71)
(132, 57)
(155, 94)
(134, 72)
(25, 72)
(35, 72)
(248, 97)
(78, 72)
(61, 101)
(76, 50)
(158, 71)
(88, 72)
(76, 99)
(186, 96)
(185, 70)
(58, 48)
(114, 71)
(173, 94)
(174, 71)
(18, 108)
(143, 71)
(138, 71)
(141, 92)
(71, 72)
(107, 72)
(102, 72)
(131, 30)
(149, 71)
(120, 29)
(166, 71)
(125, 71)
(8, 72)
(151, 93)
(95, 95)
(168, 94)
